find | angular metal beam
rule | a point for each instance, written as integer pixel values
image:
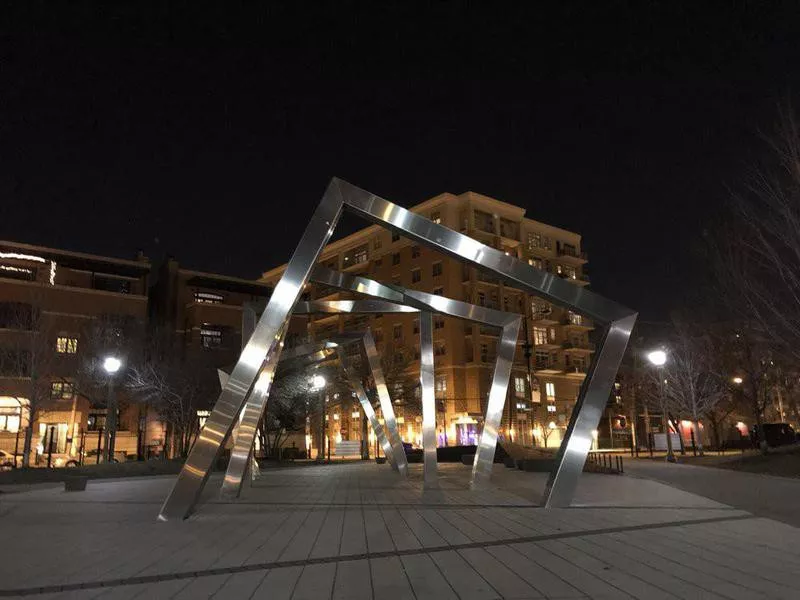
(430, 477)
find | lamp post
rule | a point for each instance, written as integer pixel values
(317, 384)
(658, 358)
(111, 365)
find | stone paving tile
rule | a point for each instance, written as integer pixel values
(313, 583)
(507, 583)
(389, 579)
(353, 581)
(312, 513)
(466, 582)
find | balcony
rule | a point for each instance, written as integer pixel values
(572, 256)
(547, 367)
(544, 317)
(575, 322)
(578, 347)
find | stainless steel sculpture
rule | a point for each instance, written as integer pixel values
(263, 348)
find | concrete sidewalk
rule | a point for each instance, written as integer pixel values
(762, 495)
(359, 531)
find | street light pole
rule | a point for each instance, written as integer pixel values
(111, 365)
(658, 358)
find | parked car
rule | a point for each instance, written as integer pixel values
(775, 434)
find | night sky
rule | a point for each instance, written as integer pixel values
(211, 135)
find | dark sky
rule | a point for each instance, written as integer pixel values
(212, 135)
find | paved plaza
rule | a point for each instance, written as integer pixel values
(358, 531)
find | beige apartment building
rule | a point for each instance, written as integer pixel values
(557, 340)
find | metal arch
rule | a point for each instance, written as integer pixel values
(508, 323)
(265, 340)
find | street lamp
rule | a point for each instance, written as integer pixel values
(317, 384)
(738, 380)
(658, 359)
(111, 364)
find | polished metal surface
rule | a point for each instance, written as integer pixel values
(508, 323)
(487, 445)
(265, 341)
(374, 362)
(587, 413)
(426, 373)
(369, 412)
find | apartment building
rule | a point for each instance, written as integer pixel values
(61, 312)
(552, 356)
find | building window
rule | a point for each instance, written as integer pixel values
(96, 421)
(436, 269)
(395, 236)
(396, 258)
(540, 336)
(60, 390)
(436, 217)
(66, 345)
(438, 291)
(378, 262)
(438, 322)
(208, 298)
(519, 386)
(481, 299)
(360, 256)
(550, 390)
(439, 349)
(416, 325)
(536, 263)
(397, 331)
(416, 275)
(210, 338)
(484, 353)
(575, 318)
(376, 243)
(534, 241)
(415, 251)
(440, 386)
(551, 408)
(542, 359)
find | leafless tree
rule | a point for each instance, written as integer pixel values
(176, 386)
(28, 353)
(758, 253)
(692, 387)
(288, 405)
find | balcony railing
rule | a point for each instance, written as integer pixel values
(570, 345)
(571, 252)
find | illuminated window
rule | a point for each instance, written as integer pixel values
(540, 335)
(534, 241)
(66, 345)
(436, 269)
(519, 386)
(60, 390)
(208, 298)
(550, 390)
(537, 263)
(551, 408)
(436, 217)
(210, 338)
(360, 256)
(416, 275)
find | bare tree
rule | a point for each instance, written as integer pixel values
(758, 254)
(692, 387)
(28, 353)
(288, 405)
(176, 386)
